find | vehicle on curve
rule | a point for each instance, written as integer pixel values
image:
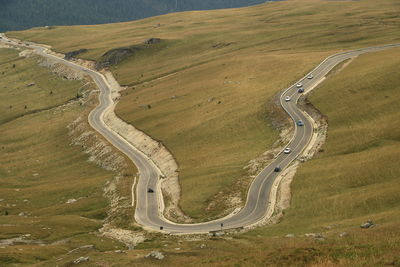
(287, 98)
(310, 76)
(150, 190)
(300, 123)
(287, 150)
(299, 85)
(301, 90)
(277, 169)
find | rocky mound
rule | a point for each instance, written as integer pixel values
(117, 55)
(73, 54)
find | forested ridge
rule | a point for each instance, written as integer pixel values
(23, 14)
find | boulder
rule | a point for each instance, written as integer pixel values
(156, 254)
(153, 41)
(81, 259)
(70, 201)
(343, 234)
(367, 224)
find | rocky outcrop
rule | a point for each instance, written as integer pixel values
(73, 54)
(156, 255)
(367, 224)
(117, 55)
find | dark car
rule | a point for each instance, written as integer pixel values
(300, 123)
(301, 90)
(277, 169)
(150, 190)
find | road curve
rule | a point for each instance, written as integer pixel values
(149, 206)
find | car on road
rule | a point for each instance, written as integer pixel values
(310, 76)
(301, 90)
(300, 123)
(150, 190)
(299, 85)
(287, 98)
(277, 169)
(287, 150)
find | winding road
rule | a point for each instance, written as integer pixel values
(149, 206)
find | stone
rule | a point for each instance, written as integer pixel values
(202, 246)
(70, 201)
(289, 235)
(156, 254)
(367, 224)
(310, 235)
(81, 259)
(153, 41)
(319, 237)
(343, 234)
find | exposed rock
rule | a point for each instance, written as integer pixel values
(156, 254)
(202, 246)
(81, 259)
(117, 55)
(221, 45)
(153, 41)
(70, 201)
(31, 84)
(289, 235)
(73, 54)
(21, 214)
(367, 224)
(319, 237)
(343, 234)
(310, 235)
(129, 238)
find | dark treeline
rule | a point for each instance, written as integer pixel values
(23, 14)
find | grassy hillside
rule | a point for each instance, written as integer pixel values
(210, 81)
(40, 170)
(354, 179)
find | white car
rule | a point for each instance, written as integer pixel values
(310, 77)
(287, 150)
(299, 85)
(287, 98)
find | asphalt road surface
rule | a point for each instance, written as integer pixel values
(149, 206)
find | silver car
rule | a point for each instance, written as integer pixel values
(287, 150)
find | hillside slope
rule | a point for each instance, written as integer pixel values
(206, 89)
(353, 179)
(51, 193)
